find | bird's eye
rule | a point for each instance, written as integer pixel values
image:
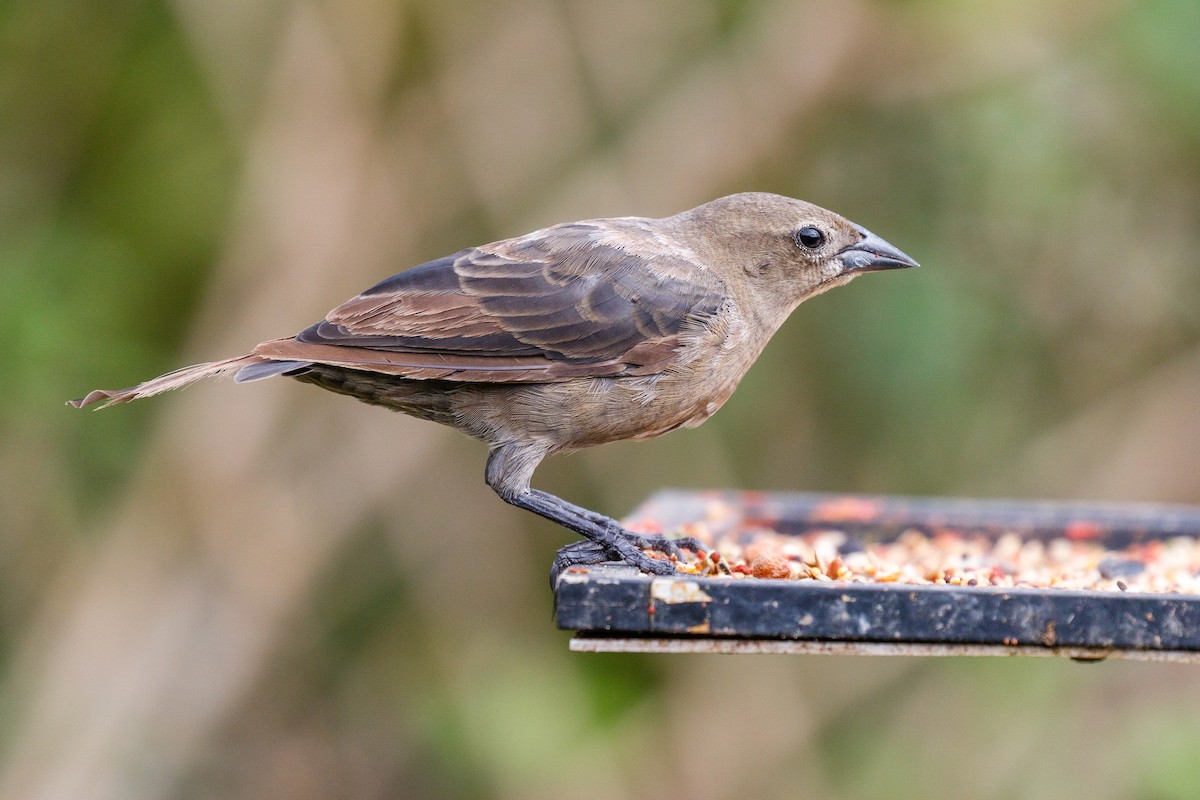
(810, 237)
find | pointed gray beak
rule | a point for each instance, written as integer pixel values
(872, 254)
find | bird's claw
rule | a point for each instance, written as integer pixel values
(625, 548)
(661, 544)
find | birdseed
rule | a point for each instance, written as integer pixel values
(948, 557)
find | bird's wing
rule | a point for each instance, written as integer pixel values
(603, 297)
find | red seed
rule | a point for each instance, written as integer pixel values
(770, 565)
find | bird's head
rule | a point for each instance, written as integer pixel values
(785, 248)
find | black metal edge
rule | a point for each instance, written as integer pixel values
(606, 601)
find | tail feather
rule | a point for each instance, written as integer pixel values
(268, 369)
(165, 383)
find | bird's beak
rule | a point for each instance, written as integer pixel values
(872, 254)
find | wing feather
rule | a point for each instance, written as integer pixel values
(603, 297)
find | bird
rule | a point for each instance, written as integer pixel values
(575, 335)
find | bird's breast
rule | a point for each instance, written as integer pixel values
(712, 357)
(710, 363)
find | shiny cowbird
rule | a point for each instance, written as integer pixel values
(571, 336)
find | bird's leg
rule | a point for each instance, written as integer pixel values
(657, 542)
(509, 468)
(615, 542)
(591, 516)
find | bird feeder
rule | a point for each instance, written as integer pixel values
(900, 576)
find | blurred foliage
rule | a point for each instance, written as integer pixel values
(295, 596)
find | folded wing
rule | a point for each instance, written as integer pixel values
(597, 298)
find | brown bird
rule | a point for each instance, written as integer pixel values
(572, 336)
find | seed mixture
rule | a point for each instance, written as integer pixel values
(1076, 560)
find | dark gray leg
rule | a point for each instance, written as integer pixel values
(613, 541)
(509, 468)
(656, 541)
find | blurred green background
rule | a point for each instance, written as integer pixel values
(272, 592)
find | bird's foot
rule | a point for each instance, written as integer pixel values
(607, 541)
(627, 548)
(659, 543)
(586, 553)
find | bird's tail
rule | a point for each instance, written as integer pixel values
(172, 380)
